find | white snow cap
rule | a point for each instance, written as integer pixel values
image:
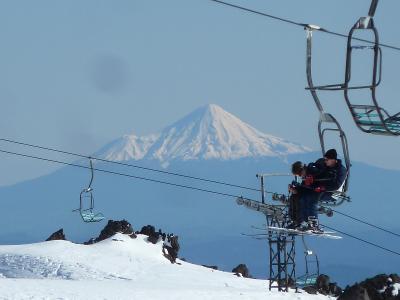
(209, 132)
(127, 147)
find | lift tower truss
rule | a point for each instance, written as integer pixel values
(282, 246)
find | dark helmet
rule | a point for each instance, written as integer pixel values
(297, 168)
(331, 154)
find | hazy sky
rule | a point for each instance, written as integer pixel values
(77, 74)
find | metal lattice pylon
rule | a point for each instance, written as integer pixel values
(282, 246)
(282, 255)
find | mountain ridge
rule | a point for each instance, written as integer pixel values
(208, 132)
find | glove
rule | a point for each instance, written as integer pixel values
(292, 189)
(295, 183)
(320, 189)
(308, 180)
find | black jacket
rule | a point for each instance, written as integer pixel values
(328, 178)
(315, 170)
(333, 177)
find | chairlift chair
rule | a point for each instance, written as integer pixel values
(327, 123)
(370, 117)
(86, 202)
(311, 261)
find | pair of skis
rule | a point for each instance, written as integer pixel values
(324, 234)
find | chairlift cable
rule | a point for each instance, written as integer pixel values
(259, 13)
(129, 165)
(362, 240)
(119, 174)
(366, 223)
(301, 24)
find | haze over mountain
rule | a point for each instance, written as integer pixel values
(209, 132)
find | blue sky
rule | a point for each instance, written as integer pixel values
(77, 74)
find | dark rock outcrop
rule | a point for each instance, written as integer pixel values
(148, 230)
(154, 239)
(374, 285)
(356, 292)
(170, 242)
(380, 287)
(171, 247)
(326, 287)
(335, 290)
(311, 289)
(90, 242)
(112, 228)
(153, 236)
(322, 284)
(395, 278)
(58, 235)
(242, 271)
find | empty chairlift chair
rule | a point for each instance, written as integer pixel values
(369, 116)
(312, 268)
(86, 202)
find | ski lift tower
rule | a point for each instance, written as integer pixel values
(282, 251)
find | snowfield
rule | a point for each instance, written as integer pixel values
(119, 268)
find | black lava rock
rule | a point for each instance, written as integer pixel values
(150, 231)
(380, 287)
(355, 292)
(58, 235)
(171, 247)
(322, 284)
(242, 270)
(112, 228)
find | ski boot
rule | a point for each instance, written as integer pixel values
(313, 225)
(303, 226)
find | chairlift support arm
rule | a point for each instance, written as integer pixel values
(372, 8)
(91, 172)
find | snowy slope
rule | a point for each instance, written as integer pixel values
(128, 147)
(207, 133)
(118, 268)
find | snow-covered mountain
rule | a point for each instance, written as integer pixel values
(128, 147)
(119, 268)
(207, 133)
